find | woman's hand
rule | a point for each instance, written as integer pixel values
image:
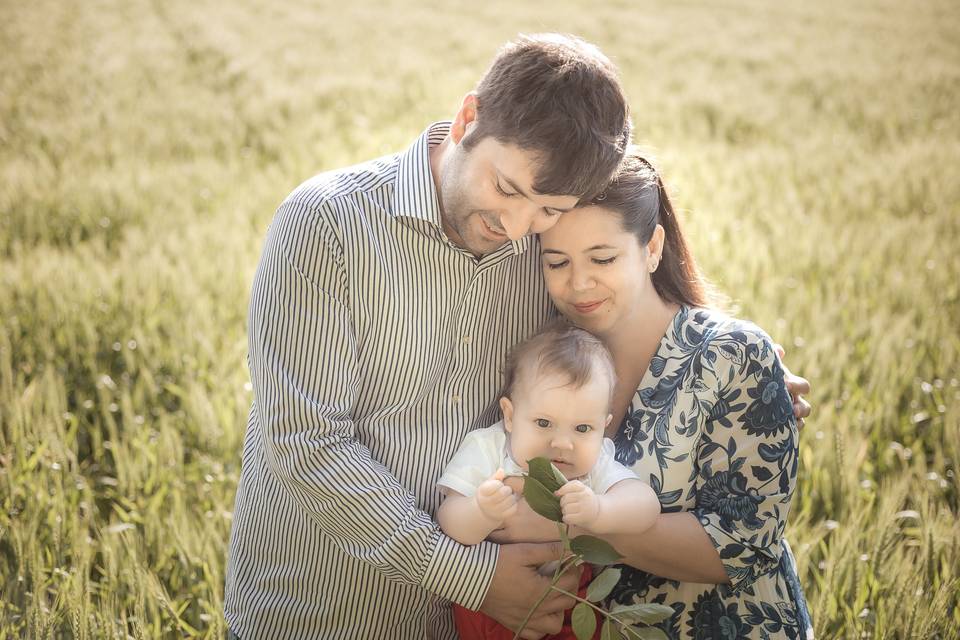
(797, 387)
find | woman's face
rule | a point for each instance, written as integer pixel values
(596, 272)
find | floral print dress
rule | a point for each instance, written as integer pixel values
(712, 429)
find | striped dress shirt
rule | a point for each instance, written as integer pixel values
(375, 347)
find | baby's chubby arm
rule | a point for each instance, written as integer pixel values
(629, 506)
(470, 519)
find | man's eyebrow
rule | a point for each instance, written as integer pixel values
(513, 185)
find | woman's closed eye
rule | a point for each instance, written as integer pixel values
(602, 261)
(556, 265)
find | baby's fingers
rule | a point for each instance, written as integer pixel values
(571, 488)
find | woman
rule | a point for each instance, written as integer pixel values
(701, 413)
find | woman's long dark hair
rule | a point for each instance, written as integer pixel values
(637, 194)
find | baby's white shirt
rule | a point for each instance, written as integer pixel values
(484, 451)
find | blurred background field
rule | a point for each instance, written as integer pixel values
(144, 146)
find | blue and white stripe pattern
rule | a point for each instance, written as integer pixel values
(375, 347)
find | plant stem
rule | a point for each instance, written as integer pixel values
(560, 570)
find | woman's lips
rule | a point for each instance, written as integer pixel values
(587, 307)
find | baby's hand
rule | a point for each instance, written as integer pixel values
(580, 505)
(495, 499)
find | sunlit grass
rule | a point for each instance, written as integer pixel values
(145, 145)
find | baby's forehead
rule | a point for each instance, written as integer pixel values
(538, 372)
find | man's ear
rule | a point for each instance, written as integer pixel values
(507, 407)
(466, 116)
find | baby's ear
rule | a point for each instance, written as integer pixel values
(609, 420)
(507, 407)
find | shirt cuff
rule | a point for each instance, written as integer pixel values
(460, 573)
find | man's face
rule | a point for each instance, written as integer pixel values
(487, 198)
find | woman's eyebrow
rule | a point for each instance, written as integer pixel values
(595, 247)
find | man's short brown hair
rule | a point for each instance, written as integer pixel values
(560, 97)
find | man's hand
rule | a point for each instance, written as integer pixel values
(797, 387)
(580, 505)
(516, 587)
(495, 499)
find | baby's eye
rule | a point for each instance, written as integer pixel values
(584, 428)
(543, 422)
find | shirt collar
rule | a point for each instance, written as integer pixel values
(415, 194)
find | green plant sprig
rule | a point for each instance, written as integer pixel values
(539, 487)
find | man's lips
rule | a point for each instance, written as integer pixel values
(491, 231)
(587, 307)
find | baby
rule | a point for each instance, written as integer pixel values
(556, 403)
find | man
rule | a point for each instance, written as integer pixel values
(385, 301)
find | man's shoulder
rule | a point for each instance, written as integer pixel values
(330, 190)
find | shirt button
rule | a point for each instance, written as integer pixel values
(455, 399)
(467, 339)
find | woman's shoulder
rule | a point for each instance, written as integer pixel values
(736, 345)
(707, 325)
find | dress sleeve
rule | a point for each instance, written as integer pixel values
(303, 355)
(747, 457)
(476, 460)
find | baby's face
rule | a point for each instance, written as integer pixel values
(550, 418)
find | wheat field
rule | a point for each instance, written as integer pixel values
(144, 145)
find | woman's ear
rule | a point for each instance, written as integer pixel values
(507, 407)
(465, 116)
(655, 248)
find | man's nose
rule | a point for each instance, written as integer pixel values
(518, 222)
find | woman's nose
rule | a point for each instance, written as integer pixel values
(581, 280)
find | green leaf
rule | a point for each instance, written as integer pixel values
(646, 633)
(609, 632)
(592, 549)
(543, 471)
(542, 500)
(584, 621)
(601, 586)
(647, 613)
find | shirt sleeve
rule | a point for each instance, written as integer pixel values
(607, 471)
(747, 457)
(476, 460)
(303, 364)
